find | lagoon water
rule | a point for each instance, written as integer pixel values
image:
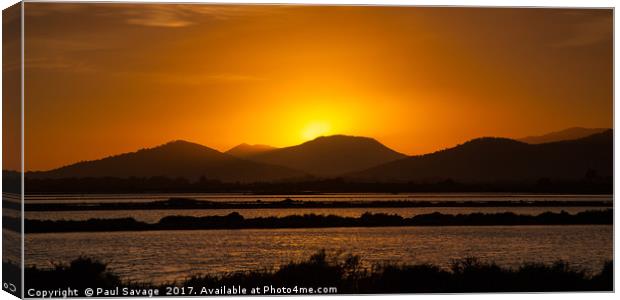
(164, 256)
(152, 216)
(98, 198)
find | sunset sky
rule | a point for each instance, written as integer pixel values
(103, 79)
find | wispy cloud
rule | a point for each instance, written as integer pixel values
(161, 16)
(193, 78)
(58, 64)
(159, 19)
(156, 15)
(183, 15)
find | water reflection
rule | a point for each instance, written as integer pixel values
(171, 255)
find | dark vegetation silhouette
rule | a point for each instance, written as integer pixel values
(80, 273)
(349, 277)
(189, 203)
(487, 160)
(572, 133)
(236, 221)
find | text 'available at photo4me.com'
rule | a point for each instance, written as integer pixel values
(181, 291)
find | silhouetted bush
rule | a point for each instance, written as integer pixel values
(235, 221)
(80, 273)
(465, 275)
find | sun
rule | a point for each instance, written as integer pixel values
(315, 129)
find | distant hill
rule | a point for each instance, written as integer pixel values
(174, 159)
(331, 156)
(572, 133)
(245, 150)
(487, 160)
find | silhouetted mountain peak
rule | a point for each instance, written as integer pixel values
(341, 138)
(331, 155)
(604, 134)
(493, 159)
(180, 144)
(245, 150)
(179, 148)
(563, 135)
(173, 159)
(346, 142)
(492, 142)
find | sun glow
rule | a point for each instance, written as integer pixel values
(315, 129)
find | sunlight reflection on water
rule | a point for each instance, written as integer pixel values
(161, 256)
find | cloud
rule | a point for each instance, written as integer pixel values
(40, 9)
(193, 78)
(159, 19)
(161, 16)
(58, 64)
(174, 15)
(154, 15)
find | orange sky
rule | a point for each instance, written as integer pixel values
(103, 79)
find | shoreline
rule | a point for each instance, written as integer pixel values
(288, 203)
(236, 221)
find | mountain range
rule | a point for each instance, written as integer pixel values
(486, 160)
(174, 159)
(362, 159)
(572, 133)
